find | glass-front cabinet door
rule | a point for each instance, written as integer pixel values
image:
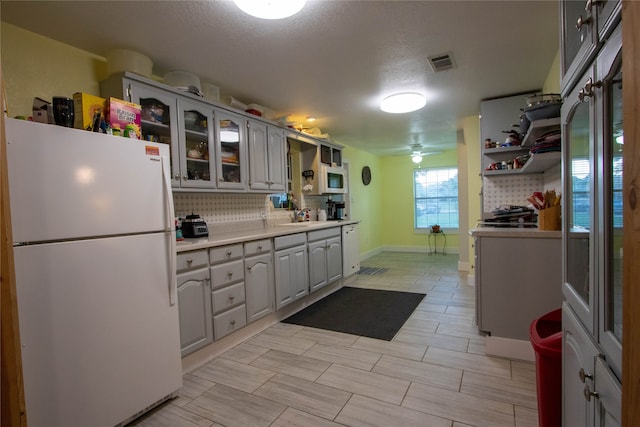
(196, 151)
(158, 121)
(578, 200)
(230, 150)
(611, 143)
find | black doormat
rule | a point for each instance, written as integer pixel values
(370, 313)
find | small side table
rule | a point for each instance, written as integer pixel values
(434, 235)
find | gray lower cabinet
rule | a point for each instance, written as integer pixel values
(291, 270)
(259, 279)
(325, 257)
(518, 279)
(589, 387)
(193, 301)
(228, 292)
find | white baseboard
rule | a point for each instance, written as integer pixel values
(419, 249)
(471, 279)
(507, 347)
(463, 266)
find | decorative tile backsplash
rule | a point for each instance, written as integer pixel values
(233, 207)
(514, 189)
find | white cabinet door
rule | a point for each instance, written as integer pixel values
(266, 157)
(300, 274)
(334, 259)
(608, 397)
(317, 264)
(277, 161)
(259, 285)
(231, 159)
(194, 302)
(578, 355)
(284, 277)
(258, 155)
(197, 153)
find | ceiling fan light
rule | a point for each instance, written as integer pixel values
(270, 9)
(403, 102)
(416, 158)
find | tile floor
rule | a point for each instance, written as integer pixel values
(433, 373)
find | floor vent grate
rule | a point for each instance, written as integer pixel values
(370, 271)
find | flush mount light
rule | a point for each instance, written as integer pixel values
(403, 102)
(270, 9)
(416, 158)
(311, 119)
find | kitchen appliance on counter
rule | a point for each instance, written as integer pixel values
(194, 226)
(96, 292)
(335, 210)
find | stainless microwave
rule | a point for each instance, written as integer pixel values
(333, 180)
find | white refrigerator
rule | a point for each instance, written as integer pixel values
(94, 247)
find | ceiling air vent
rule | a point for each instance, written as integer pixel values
(441, 62)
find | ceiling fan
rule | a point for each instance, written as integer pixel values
(417, 153)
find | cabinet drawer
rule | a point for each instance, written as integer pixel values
(225, 298)
(229, 321)
(257, 247)
(323, 234)
(225, 274)
(193, 259)
(290, 240)
(225, 253)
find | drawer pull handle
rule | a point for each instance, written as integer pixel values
(260, 247)
(231, 297)
(189, 261)
(233, 322)
(582, 21)
(588, 394)
(230, 274)
(229, 253)
(583, 375)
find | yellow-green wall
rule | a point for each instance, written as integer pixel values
(366, 200)
(397, 210)
(36, 66)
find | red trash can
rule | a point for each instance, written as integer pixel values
(546, 338)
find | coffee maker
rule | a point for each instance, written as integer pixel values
(335, 210)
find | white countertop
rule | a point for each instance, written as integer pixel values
(515, 232)
(255, 231)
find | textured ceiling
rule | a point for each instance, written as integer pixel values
(335, 60)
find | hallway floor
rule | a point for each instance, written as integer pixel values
(433, 373)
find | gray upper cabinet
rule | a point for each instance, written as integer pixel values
(266, 157)
(586, 24)
(212, 147)
(593, 226)
(231, 161)
(195, 123)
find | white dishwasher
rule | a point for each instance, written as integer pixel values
(350, 250)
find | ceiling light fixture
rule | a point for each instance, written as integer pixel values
(403, 102)
(311, 119)
(270, 9)
(416, 158)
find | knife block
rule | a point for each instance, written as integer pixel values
(549, 219)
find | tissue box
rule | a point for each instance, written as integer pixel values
(85, 108)
(549, 219)
(122, 113)
(42, 111)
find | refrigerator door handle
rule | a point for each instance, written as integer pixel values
(166, 175)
